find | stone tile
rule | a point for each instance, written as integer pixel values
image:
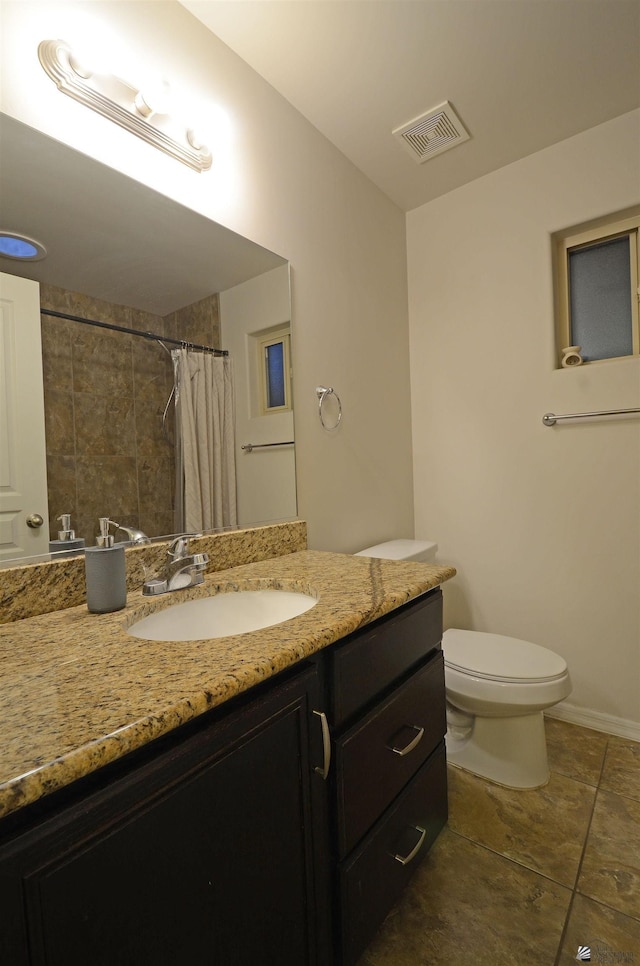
(107, 487)
(157, 522)
(147, 322)
(574, 751)
(57, 371)
(152, 372)
(610, 870)
(53, 297)
(102, 362)
(59, 423)
(61, 491)
(611, 936)
(89, 307)
(199, 322)
(467, 905)
(621, 772)
(155, 483)
(105, 425)
(151, 442)
(543, 828)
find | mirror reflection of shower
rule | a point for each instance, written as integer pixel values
(104, 392)
(140, 459)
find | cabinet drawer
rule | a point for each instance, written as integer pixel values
(371, 880)
(378, 756)
(372, 659)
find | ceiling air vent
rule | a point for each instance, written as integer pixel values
(432, 133)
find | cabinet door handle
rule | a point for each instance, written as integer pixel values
(406, 859)
(412, 744)
(326, 744)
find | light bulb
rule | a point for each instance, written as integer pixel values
(153, 98)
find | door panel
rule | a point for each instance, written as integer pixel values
(23, 469)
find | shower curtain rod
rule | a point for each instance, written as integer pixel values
(145, 335)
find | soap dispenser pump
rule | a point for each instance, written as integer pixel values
(104, 538)
(67, 541)
(105, 573)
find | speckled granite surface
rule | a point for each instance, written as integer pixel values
(79, 692)
(38, 588)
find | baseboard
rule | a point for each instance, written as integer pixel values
(595, 720)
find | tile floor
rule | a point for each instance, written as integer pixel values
(526, 877)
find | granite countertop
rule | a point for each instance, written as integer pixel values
(79, 692)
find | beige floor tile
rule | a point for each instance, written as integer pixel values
(466, 905)
(543, 829)
(611, 936)
(610, 870)
(621, 773)
(574, 751)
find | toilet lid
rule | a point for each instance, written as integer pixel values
(499, 658)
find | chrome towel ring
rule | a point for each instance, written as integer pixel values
(322, 393)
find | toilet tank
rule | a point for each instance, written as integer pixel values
(419, 550)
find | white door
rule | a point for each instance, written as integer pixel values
(23, 467)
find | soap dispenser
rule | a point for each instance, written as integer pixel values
(105, 573)
(67, 540)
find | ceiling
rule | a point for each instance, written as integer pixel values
(521, 74)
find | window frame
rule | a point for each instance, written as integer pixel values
(621, 225)
(281, 335)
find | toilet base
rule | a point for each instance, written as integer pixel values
(509, 751)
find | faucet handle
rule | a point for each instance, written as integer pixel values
(179, 546)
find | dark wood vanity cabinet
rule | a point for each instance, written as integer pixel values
(389, 783)
(211, 851)
(222, 843)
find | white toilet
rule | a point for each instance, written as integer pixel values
(421, 550)
(497, 688)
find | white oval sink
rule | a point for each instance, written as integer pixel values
(222, 615)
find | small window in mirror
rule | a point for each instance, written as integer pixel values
(274, 368)
(597, 269)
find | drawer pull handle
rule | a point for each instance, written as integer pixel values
(326, 745)
(406, 859)
(412, 744)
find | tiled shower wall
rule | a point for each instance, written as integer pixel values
(104, 393)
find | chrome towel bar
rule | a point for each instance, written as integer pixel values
(251, 446)
(550, 419)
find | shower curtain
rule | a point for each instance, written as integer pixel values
(205, 450)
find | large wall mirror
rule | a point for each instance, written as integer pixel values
(123, 255)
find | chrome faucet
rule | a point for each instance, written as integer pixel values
(134, 536)
(181, 569)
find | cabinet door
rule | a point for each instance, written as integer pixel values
(204, 855)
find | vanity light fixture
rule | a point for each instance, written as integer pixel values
(20, 247)
(142, 111)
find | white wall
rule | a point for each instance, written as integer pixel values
(543, 523)
(266, 478)
(276, 180)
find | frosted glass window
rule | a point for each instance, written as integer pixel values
(273, 382)
(600, 299)
(274, 362)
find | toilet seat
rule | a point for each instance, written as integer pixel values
(494, 657)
